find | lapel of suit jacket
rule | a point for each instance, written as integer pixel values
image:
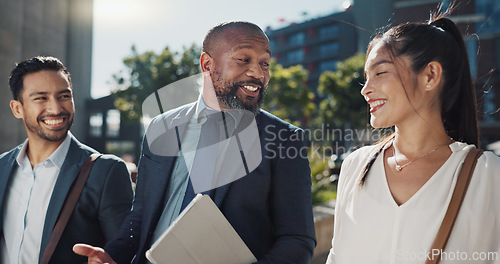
(172, 124)
(182, 119)
(6, 169)
(69, 171)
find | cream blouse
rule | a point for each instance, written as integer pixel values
(371, 228)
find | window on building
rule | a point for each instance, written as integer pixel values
(272, 44)
(95, 125)
(120, 147)
(471, 44)
(296, 39)
(330, 31)
(329, 49)
(296, 56)
(489, 105)
(490, 9)
(329, 65)
(445, 4)
(113, 123)
(496, 50)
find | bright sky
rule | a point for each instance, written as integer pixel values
(155, 24)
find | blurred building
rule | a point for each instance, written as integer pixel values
(59, 28)
(316, 44)
(109, 133)
(371, 18)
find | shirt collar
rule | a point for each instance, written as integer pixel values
(200, 106)
(57, 157)
(200, 118)
(22, 153)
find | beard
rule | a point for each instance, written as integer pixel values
(228, 95)
(52, 137)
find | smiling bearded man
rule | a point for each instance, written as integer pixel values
(264, 196)
(36, 176)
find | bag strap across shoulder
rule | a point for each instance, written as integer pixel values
(68, 207)
(456, 202)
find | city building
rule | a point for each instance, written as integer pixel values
(371, 19)
(59, 28)
(109, 133)
(316, 44)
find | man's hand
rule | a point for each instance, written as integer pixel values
(96, 255)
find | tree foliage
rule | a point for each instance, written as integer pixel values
(148, 72)
(288, 97)
(342, 105)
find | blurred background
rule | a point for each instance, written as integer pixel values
(119, 52)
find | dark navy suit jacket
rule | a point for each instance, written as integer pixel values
(105, 200)
(270, 208)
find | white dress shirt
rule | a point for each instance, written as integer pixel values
(370, 227)
(27, 200)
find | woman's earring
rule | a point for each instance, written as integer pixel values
(428, 86)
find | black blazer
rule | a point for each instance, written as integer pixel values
(270, 208)
(104, 203)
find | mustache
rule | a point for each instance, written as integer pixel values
(256, 82)
(67, 115)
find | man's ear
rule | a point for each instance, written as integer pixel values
(433, 74)
(205, 62)
(17, 109)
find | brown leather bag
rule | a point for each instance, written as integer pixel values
(456, 201)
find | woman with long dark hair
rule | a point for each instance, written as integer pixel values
(392, 196)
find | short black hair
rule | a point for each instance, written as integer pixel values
(35, 64)
(215, 32)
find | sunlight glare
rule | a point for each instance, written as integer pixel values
(119, 10)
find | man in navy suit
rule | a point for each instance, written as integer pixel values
(269, 204)
(36, 176)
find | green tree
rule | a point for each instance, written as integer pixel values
(148, 72)
(323, 188)
(288, 97)
(342, 105)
